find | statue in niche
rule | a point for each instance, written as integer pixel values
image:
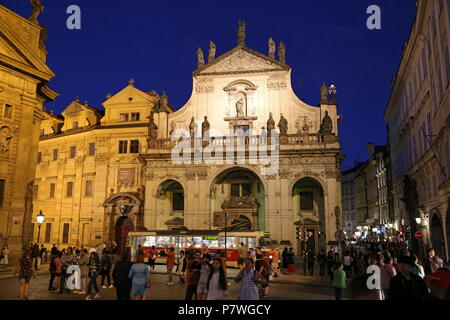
(270, 125)
(271, 48)
(212, 51)
(240, 108)
(205, 129)
(200, 57)
(38, 8)
(5, 138)
(283, 126)
(327, 124)
(173, 126)
(152, 128)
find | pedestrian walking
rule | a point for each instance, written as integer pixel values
(140, 276)
(26, 270)
(205, 270)
(4, 257)
(265, 273)
(181, 267)
(242, 255)
(387, 272)
(284, 259)
(58, 270)
(417, 269)
(249, 278)
(193, 275)
(330, 264)
(121, 277)
(152, 255)
(406, 285)
(275, 263)
(66, 260)
(322, 259)
(84, 270)
(106, 263)
(170, 263)
(348, 265)
(217, 287)
(339, 281)
(290, 257)
(311, 259)
(52, 269)
(43, 254)
(430, 265)
(94, 269)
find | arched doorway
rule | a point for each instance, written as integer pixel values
(437, 234)
(124, 225)
(309, 215)
(238, 200)
(170, 205)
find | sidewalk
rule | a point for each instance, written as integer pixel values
(8, 273)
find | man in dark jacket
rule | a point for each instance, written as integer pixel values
(120, 274)
(406, 285)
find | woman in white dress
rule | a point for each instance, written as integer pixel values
(4, 261)
(217, 288)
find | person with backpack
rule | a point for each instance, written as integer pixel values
(249, 278)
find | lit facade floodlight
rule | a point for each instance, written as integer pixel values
(419, 220)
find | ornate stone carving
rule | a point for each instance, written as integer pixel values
(202, 175)
(102, 158)
(80, 160)
(190, 175)
(6, 135)
(204, 85)
(270, 125)
(284, 174)
(242, 61)
(303, 125)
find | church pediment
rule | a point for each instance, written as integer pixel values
(130, 94)
(241, 60)
(73, 109)
(18, 53)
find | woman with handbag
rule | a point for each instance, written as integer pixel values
(249, 278)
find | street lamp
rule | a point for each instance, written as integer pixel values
(418, 221)
(40, 219)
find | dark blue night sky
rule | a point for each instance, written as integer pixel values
(154, 42)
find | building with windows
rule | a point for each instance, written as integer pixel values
(418, 122)
(88, 159)
(24, 77)
(365, 196)
(134, 180)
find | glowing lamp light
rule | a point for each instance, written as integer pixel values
(418, 220)
(40, 218)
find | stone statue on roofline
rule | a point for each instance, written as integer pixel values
(200, 57)
(205, 129)
(270, 125)
(152, 127)
(327, 124)
(283, 126)
(271, 48)
(38, 8)
(192, 127)
(241, 33)
(282, 53)
(324, 93)
(212, 51)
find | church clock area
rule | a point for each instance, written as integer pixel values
(109, 174)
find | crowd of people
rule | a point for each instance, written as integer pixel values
(203, 273)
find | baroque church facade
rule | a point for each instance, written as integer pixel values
(102, 173)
